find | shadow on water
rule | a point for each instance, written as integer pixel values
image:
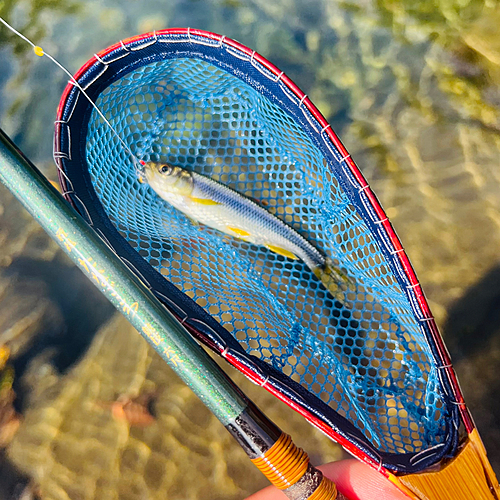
(80, 306)
(472, 334)
(474, 320)
(14, 484)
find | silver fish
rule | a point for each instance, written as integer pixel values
(219, 207)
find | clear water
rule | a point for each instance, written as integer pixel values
(412, 92)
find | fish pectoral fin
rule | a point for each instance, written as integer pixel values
(282, 251)
(204, 201)
(241, 233)
(337, 274)
(56, 185)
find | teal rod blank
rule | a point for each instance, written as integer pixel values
(119, 285)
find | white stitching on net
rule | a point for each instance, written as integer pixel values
(214, 333)
(325, 127)
(371, 213)
(401, 250)
(440, 375)
(106, 241)
(80, 87)
(100, 60)
(121, 56)
(261, 68)
(141, 278)
(347, 173)
(205, 40)
(424, 320)
(60, 154)
(63, 173)
(310, 118)
(89, 219)
(417, 459)
(331, 147)
(72, 110)
(265, 72)
(236, 53)
(124, 47)
(174, 304)
(144, 45)
(63, 154)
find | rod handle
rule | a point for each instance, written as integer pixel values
(287, 467)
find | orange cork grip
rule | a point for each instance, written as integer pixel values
(285, 465)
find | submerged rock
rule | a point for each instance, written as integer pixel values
(73, 447)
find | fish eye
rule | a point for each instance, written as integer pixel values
(166, 169)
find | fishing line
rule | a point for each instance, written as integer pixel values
(40, 52)
(271, 450)
(331, 278)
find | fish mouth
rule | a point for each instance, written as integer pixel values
(140, 171)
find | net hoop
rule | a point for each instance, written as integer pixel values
(69, 152)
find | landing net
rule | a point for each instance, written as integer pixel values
(194, 102)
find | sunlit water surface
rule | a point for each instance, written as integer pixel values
(414, 93)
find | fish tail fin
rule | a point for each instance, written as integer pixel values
(335, 281)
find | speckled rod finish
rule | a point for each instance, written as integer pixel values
(120, 286)
(157, 325)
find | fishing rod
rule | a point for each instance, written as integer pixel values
(271, 450)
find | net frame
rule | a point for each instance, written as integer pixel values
(70, 155)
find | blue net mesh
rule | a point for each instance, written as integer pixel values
(365, 356)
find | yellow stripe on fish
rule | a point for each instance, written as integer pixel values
(208, 202)
(203, 201)
(238, 232)
(282, 251)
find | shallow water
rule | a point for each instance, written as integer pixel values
(413, 93)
